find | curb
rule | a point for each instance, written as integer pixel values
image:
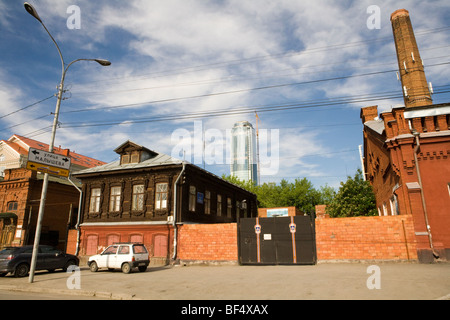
(74, 292)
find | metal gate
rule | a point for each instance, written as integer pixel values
(278, 240)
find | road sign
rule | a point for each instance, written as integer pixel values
(48, 162)
(47, 169)
(49, 158)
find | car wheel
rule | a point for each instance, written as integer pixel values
(93, 266)
(3, 274)
(142, 269)
(126, 267)
(21, 270)
(68, 264)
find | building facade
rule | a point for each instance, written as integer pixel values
(407, 151)
(20, 193)
(244, 163)
(145, 195)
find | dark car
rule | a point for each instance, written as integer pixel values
(17, 260)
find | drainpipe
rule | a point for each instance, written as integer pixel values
(416, 134)
(175, 209)
(79, 216)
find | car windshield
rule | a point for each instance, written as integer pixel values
(139, 249)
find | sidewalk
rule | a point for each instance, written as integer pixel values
(327, 281)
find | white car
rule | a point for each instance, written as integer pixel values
(125, 256)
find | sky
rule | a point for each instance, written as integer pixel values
(184, 71)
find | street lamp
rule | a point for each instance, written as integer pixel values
(31, 10)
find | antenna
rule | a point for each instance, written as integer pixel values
(405, 91)
(430, 87)
(404, 66)
(412, 56)
(398, 77)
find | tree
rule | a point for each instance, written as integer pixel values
(300, 194)
(354, 198)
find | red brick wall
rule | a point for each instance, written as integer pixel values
(366, 238)
(360, 238)
(72, 241)
(209, 242)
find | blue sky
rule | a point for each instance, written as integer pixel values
(306, 68)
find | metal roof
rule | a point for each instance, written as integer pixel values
(159, 160)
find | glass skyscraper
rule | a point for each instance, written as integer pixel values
(244, 164)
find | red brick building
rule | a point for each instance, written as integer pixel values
(407, 151)
(20, 193)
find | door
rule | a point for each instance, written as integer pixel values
(7, 229)
(51, 258)
(108, 257)
(278, 240)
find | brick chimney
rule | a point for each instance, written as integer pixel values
(369, 113)
(412, 74)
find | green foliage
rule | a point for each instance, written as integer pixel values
(354, 198)
(300, 193)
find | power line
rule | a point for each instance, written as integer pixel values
(238, 91)
(24, 108)
(250, 109)
(230, 92)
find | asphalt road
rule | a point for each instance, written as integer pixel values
(327, 281)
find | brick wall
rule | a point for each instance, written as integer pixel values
(366, 238)
(72, 241)
(360, 238)
(209, 242)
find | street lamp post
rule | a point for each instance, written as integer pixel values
(30, 9)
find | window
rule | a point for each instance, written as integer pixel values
(125, 158)
(12, 206)
(207, 202)
(95, 200)
(124, 250)
(229, 207)
(219, 205)
(112, 238)
(161, 195)
(135, 157)
(114, 200)
(137, 238)
(394, 205)
(137, 203)
(192, 198)
(91, 244)
(385, 213)
(111, 250)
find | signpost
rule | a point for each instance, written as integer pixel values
(48, 162)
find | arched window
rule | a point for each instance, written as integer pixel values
(12, 206)
(91, 244)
